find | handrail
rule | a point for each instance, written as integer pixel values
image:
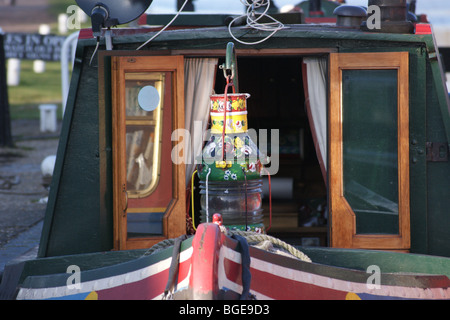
(65, 81)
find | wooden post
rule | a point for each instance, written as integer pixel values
(5, 121)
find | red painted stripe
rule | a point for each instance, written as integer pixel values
(280, 288)
(86, 34)
(147, 288)
(284, 289)
(233, 271)
(320, 20)
(144, 289)
(142, 19)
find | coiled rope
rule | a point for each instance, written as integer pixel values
(266, 242)
(257, 240)
(253, 20)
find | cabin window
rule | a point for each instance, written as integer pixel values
(369, 150)
(144, 101)
(144, 98)
(149, 189)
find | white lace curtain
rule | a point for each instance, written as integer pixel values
(199, 74)
(316, 103)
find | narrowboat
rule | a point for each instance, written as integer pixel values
(298, 155)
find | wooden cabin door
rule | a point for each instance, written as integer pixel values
(369, 150)
(149, 191)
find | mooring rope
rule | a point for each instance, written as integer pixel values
(159, 246)
(261, 241)
(257, 240)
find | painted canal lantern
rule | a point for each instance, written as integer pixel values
(231, 166)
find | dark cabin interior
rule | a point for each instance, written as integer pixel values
(277, 101)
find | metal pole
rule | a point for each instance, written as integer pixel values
(5, 121)
(67, 51)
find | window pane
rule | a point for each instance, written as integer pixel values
(140, 141)
(370, 154)
(144, 98)
(144, 95)
(144, 224)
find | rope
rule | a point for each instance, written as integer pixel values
(165, 27)
(258, 240)
(252, 20)
(159, 246)
(262, 241)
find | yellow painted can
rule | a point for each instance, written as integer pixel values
(235, 119)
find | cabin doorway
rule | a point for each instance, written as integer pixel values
(286, 92)
(147, 95)
(277, 102)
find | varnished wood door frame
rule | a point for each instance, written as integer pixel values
(343, 219)
(174, 222)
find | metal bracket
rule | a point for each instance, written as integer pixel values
(108, 39)
(437, 152)
(230, 65)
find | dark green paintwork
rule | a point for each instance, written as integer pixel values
(88, 261)
(79, 213)
(74, 222)
(417, 141)
(388, 262)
